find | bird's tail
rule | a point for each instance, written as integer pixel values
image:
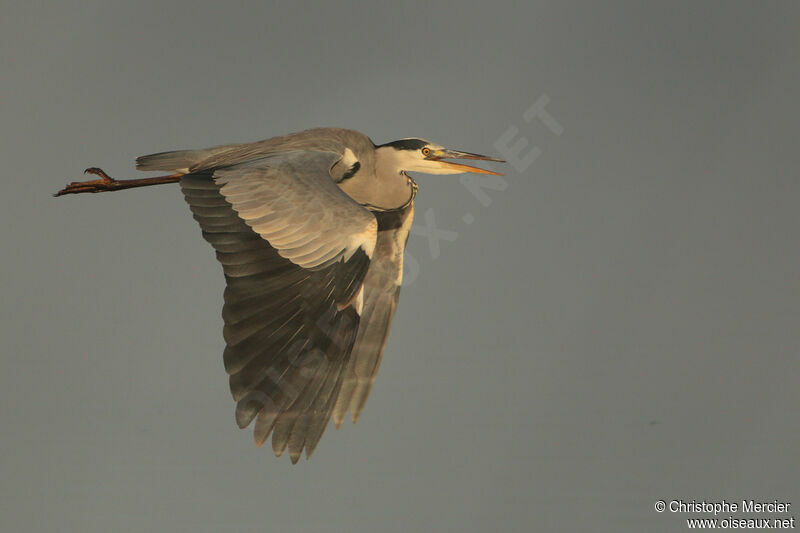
(176, 160)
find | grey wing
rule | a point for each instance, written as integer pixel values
(381, 293)
(291, 201)
(289, 330)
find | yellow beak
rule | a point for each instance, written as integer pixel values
(438, 155)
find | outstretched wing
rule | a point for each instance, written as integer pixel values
(292, 202)
(295, 250)
(381, 293)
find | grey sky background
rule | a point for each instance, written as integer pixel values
(618, 326)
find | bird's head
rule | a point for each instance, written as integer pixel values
(419, 155)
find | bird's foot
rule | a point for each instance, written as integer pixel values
(99, 172)
(105, 183)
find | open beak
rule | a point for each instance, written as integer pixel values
(438, 155)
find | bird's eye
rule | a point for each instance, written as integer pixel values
(426, 151)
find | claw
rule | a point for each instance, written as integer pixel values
(99, 172)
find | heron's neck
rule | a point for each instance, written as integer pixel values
(387, 187)
(389, 161)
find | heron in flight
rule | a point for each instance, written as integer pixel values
(310, 229)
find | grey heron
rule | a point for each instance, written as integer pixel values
(310, 229)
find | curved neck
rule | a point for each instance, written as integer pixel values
(413, 187)
(388, 160)
(384, 186)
